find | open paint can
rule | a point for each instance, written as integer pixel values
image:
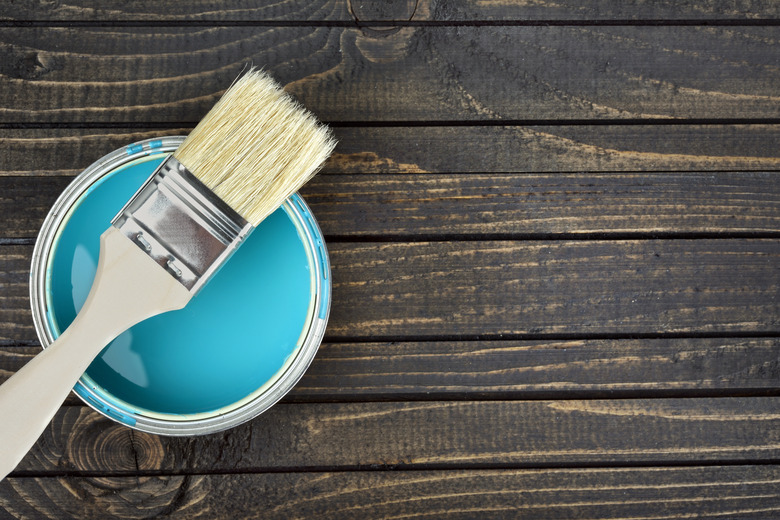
(240, 344)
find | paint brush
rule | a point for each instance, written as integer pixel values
(255, 148)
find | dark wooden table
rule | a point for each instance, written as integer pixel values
(554, 229)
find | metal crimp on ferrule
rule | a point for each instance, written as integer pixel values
(182, 225)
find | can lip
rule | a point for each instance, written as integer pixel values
(195, 424)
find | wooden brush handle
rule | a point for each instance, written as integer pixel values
(128, 288)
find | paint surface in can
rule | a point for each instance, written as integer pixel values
(232, 339)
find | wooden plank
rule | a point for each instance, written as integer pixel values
(550, 369)
(25, 202)
(523, 369)
(453, 149)
(559, 149)
(43, 152)
(14, 298)
(497, 288)
(427, 435)
(494, 288)
(399, 10)
(746, 492)
(199, 10)
(465, 73)
(605, 10)
(543, 205)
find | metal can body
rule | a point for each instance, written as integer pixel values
(255, 393)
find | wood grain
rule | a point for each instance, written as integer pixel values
(453, 149)
(610, 287)
(146, 10)
(556, 149)
(454, 205)
(444, 289)
(398, 10)
(606, 10)
(479, 205)
(523, 369)
(427, 435)
(554, 234)
(554, 369)
(745, 492)
(175, 74)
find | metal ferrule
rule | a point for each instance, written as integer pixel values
(182, 225)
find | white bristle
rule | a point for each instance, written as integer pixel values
(256, 147)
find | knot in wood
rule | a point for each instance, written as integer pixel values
(97, 442)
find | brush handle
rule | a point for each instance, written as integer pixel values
(128, 288)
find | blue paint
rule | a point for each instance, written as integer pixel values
(134, 149)
(232, 338)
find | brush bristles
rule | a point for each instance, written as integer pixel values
(256, 147)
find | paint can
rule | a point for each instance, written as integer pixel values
(238, 347)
